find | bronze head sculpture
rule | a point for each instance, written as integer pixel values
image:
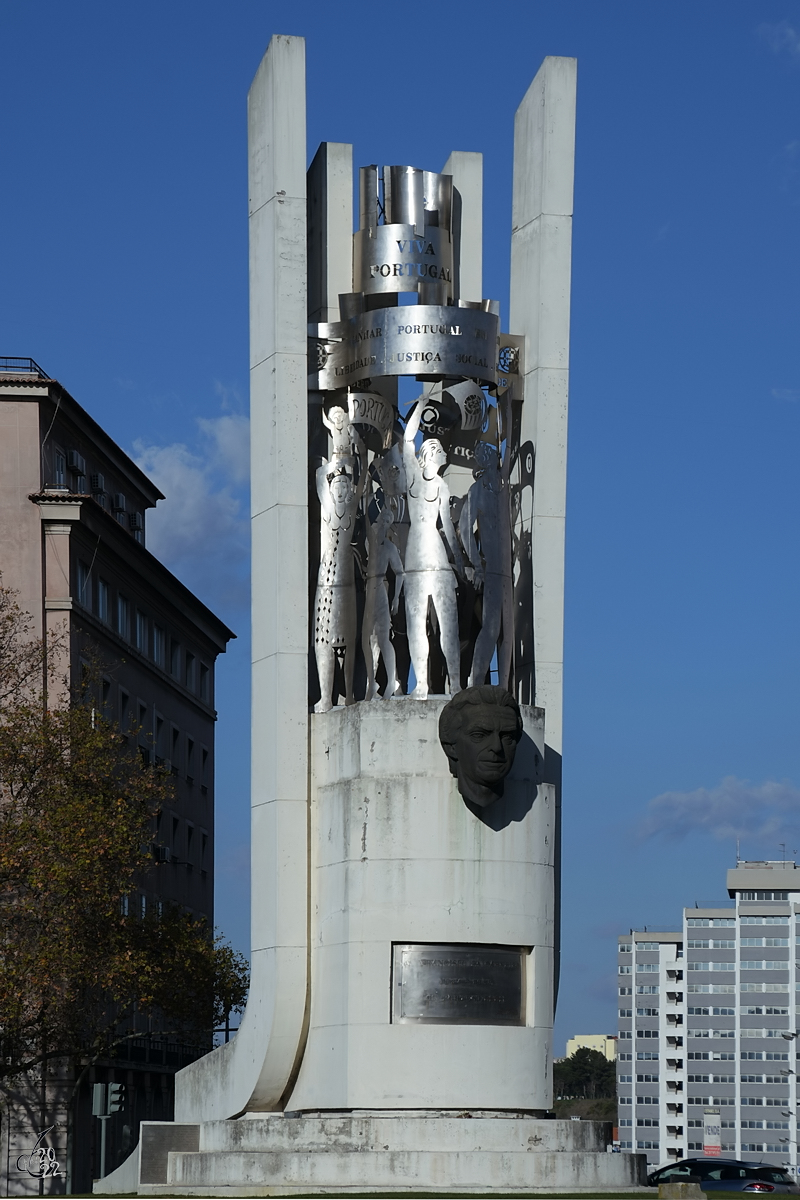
(479, 730)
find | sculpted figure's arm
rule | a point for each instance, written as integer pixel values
(448, 529)
(322, 482)
(466, 528)
(363, 478)
(505, 469)
(396, 564)
(411, 431)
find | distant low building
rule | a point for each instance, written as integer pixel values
(605, 1043)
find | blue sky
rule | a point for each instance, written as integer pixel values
(124, 233)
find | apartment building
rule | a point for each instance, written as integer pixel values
(707, 1018)
(73, 510)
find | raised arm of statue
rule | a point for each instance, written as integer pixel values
(323, 490)
(505, 469)
(409, 434)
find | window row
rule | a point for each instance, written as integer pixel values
(69, 470)
(136, 627)
(189, 846)
(161, 744)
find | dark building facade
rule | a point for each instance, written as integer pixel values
(73, 510)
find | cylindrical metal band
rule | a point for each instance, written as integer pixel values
(419, 339)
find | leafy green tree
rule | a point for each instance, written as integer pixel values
(586, 1074)
(79, 972)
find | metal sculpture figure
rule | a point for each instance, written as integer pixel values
(376, 637)
(430, 580)
(335, 605)
(487, 507)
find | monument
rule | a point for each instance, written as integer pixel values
(408, 485)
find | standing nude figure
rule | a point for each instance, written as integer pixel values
(377, 627)
(430, 579)
(487, 507)
(335, 603)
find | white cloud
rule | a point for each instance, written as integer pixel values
(781, 36)
(736, 808)
(230, 439)
(201, 529)
(786, 393)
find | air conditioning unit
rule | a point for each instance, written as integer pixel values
(98, 483)
(118, 502)
(76, 462)
(136, 521)
(161, 853)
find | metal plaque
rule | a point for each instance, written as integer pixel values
(458, 985)
(394, 258)
(414, 339)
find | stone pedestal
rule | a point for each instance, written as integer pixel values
(397, 857)
(285, 1156)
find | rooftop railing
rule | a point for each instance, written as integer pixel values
(21, 366)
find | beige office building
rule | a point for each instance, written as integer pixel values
(73, 510)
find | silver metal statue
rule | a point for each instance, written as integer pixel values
(377, 621)
(429, 577)
(343, 436)
(487, 508)
(335, 605)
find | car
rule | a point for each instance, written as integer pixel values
(727, 1175)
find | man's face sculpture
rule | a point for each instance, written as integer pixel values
(479, 730)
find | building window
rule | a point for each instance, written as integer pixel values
(159, 645)
(59, 469)
(176, 733)
(205, 689)
(123, 618)
(190, 675)
(189, 844)
(189, 760)
(175, 659)
(124, 712)
(143, 906)
(84, 585)
(141, 631)
(103, 601)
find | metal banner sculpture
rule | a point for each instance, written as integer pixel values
(389, 503)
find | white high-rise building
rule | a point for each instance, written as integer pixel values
(707, 1018)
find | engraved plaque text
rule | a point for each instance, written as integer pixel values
(458, 985)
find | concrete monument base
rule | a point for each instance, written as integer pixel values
(279, 1155)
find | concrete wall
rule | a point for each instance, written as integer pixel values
(398, 857)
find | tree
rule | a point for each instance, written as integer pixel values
(587, 1074)
(79, 972)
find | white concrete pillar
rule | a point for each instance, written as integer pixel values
(330, 229)
(541, 246)
(466, 168)
(254, 1070)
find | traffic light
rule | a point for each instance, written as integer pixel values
(116, 1097)
(99, 1100)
